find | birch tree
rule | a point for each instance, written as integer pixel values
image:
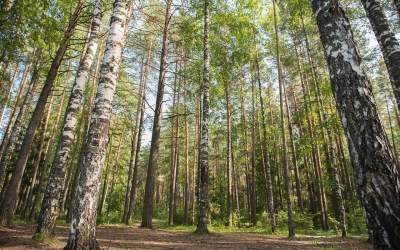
(83, 225)
(388, 43)
(376, 173)
(48, 213)
(9, 203)
(205, 109)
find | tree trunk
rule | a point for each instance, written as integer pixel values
(9, 203)
(48, 213)
(270, 194)
(284, 146)
(252, 181)
(133, 191)
(203, 154)
(19, 121)
(229, 161)
(133, 145)
(114, 171)
(187, 169)
(21, 88)
(39, 154)
(373, 162)
(82, 234)
(147, 215)
(10, 90)
(388, 42)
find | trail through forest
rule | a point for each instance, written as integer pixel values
(133, 237)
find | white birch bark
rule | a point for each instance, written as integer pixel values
(82, 234)
(48, 213)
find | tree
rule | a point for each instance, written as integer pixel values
(203, 154)
(48, 213)
(82, 234)
(147, 215)
(388, 43)
(372, 160)
(9, 203)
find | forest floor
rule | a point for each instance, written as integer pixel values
(132, 237)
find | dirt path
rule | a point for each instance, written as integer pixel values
(19, 237)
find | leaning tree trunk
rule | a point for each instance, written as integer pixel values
(9, 202)
(82, 234)
(48, 214)
(203, 155)
(147, 215)
(388, 42)
(9, 141)
(373, 162)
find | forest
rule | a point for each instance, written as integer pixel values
(200, 124)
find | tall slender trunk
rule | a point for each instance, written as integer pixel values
(21, 89)
(19, 121)
(114, 171)
(133, 192)
(229, 161)
(174, 138)
(48, 213)
(187, 169)
(284, 146)
(267, 165)
(9, 202)
(293, 149)
(373, 162)
(147, 215)
(252, 213)
(106, 178)
(83, 225)
(43, 170)
(203, 153)
(133, 145)
(39, 154)
(252, 182)
(388, 42)
(10, 90)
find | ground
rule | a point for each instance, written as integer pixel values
(113, 237)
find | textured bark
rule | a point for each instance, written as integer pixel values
(397, 5)
(205, 109)
(82, 234)
(48, 213)
(85, 132)
(147, 215)
(372, 160)
(388, 42)
(9, 202)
